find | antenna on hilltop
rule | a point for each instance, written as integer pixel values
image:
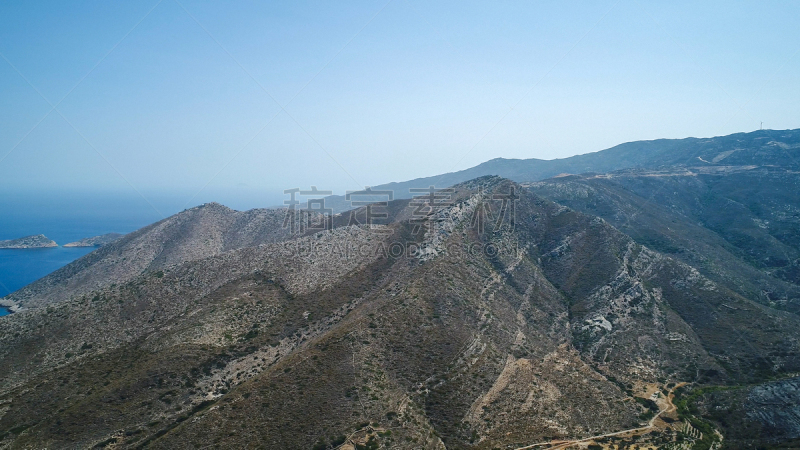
(762, 126)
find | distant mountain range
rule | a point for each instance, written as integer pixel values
(646, 295)
(762, 148)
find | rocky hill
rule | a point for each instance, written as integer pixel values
(37, 241)
(196, 233)
(498, 320)
(736, 224)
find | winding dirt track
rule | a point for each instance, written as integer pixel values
(560, 445)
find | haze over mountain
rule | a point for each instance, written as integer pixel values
(512, 311)
(762, 148)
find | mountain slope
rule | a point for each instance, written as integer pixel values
(522, 327)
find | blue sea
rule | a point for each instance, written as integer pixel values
(70, 216)
(64, 218)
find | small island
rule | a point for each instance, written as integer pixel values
(37, 241)
(96, 241)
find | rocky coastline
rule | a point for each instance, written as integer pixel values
(35, 241)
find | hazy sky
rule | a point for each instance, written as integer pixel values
(210, 100)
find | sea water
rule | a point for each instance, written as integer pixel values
(70, 216)
(64, 219)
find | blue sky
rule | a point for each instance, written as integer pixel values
(230, 100)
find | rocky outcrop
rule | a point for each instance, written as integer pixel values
(96, 241)
(37, 241)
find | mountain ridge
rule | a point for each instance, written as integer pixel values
(507, 314)
(649, 154)
(567, 319)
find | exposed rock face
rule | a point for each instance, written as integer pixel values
(467, 334)
(738, 225)
(37, 241)
(96, 241)
(777, 407)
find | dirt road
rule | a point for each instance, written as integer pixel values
(560, 445)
